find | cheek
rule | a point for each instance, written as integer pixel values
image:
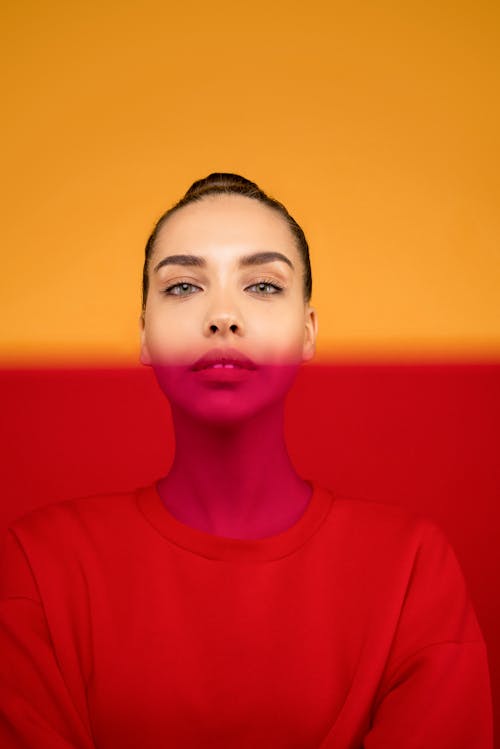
(170, 339)
(281, 338)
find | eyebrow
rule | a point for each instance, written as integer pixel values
(257, 258)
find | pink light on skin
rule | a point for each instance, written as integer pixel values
(231, 475)
(224, 396)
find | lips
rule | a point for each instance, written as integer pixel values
(220, 358)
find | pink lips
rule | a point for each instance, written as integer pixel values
(216, 358)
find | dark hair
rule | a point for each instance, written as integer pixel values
(223, 183)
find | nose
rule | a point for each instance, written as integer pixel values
(223, 317)
(223, 324)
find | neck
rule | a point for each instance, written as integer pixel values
(235, 480)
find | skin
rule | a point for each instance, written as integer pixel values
(231, 475)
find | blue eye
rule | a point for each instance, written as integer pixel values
(269, 284)
(181, 286)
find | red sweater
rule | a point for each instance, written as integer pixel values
(123, 628)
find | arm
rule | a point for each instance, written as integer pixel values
(36, 709)
(438, 697)
(436, 689)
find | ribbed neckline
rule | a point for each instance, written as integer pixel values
(234, 549)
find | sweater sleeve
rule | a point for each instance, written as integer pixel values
(36, 709)
(436, 688)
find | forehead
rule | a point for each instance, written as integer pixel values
(229, 223)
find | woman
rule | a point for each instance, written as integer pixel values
(233, 603)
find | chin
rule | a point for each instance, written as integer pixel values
(225, 402)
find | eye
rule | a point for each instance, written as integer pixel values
(269, 284)
(179, 289)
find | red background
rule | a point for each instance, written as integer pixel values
(423, 436)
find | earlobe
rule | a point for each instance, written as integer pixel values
(310, 334)
(145, 358)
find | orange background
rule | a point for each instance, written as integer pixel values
(377, 124)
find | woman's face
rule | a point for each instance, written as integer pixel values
(217, 297)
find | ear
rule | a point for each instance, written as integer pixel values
(145, 358)
(310, 333)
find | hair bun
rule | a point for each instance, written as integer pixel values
(221, 182)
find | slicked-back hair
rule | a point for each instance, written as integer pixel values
(225, 183)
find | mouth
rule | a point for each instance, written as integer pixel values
(221, 365)
(223, 359)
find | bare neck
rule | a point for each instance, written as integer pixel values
(234, 480)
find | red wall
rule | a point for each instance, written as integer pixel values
(426, 437)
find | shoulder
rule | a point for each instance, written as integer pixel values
(64, 521)
(61, 542)
(409, 561)
(380, 524)
(388, 543)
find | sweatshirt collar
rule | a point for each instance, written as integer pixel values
(222, 548)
